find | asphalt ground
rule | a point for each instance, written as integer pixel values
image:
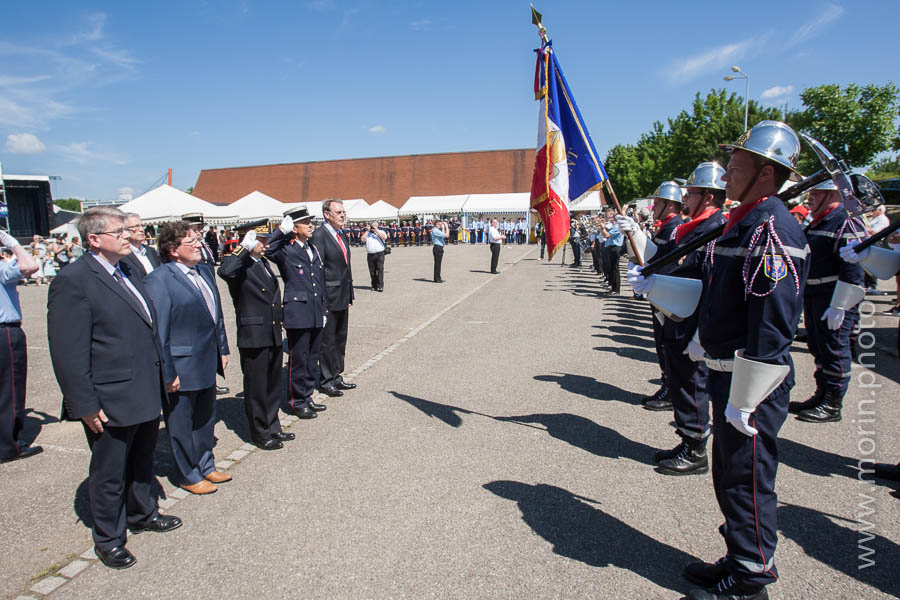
(495, 448)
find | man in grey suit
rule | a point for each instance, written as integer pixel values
(194, 348)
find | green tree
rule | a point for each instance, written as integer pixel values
(73, 204)
(855, 123)
(886, 168)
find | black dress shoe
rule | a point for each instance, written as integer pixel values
(272, 444)
(887, 471)
(315, 407)
(705, 574)
(729, 589)
(24, 452)
(343, 385)
(115, 558)
(305, 412)
(222, 389)
(159, 524)
(330, 390)
(284, 436)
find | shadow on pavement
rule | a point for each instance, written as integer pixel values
(34, 422)
(587, 435)
(642, 324)
(845, 549)
(445, 412)
(587, 534)
(82, 503)
(814, 461)
(230, 411)
(591, 388)
(627, 340)
(633, 353)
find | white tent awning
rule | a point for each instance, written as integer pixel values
(433, 205)
(498, 203)
(166, 203)
(257, 205)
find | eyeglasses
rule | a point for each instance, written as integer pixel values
(134, 228)
(191, 242)
(116, 233)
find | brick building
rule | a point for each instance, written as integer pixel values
(391, 178)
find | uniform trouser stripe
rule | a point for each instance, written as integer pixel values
(830, 348)
(686, 381)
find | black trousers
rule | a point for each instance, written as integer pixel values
(13, 369)
(334, 345)
(305, 347)
(576, 253)
(121, 480)
(376, 269)
(596, 257)
(495, 256)
(658, 342)
(612, 268)
(438, 252)
(262, 390)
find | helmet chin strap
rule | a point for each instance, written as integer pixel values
(750, 184)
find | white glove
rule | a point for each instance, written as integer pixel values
(287, 225)
(740, 420)
(849, 255)
(8, 240)
(694, 350)
(638, 282)
(324, 320)
(834, 316)
(249, 242)
(625, 224)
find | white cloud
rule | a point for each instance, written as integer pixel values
(124, 190)
(117, 57)
(713, 60)
(321, 5)
(778, 91)
(94, 31)
(377, 129)
(24, 143)
(83, 152)
(421, 24)
(809, 30)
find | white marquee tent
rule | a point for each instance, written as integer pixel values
(379, 211)
(257, 205)
(495, 204)
(165, 203)
(433, 205)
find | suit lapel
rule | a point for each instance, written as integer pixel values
(107, 280)
(188, 284)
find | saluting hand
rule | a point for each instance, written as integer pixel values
(95, 421)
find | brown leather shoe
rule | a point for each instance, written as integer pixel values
(218, 477)
(199, 488)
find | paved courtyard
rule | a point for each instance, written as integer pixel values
(495, 448)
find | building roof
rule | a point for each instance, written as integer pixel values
(391, 178)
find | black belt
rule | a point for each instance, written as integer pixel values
(19, 324)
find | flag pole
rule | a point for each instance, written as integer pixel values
(536, 18)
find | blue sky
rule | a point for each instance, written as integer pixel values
(109, 95)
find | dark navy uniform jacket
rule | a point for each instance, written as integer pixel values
(826, 238)
(691, 267)
(257, 299)
(755, 304)
(304, 281)
(664, 240)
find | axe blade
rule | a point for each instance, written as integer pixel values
(838, 175)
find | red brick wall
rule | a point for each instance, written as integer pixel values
(392, 179)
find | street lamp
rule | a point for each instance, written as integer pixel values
(742, 75)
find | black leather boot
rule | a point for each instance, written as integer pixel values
(728, 589)
(692, 460)
(827, 411)
(811, 402)
(664, 454)
(659, 401)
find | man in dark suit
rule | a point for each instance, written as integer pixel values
(142, 259)
(194, 348)
(208, 258)
(302, 270)
(335, 253)
(257, 307)
(211, 238)
(104, 344)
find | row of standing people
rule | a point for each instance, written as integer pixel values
(725, 364)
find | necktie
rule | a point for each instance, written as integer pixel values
(207, 296)
(341, 244)
(120, 278)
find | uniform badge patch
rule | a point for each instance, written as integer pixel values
(775, 267)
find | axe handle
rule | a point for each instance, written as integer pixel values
(878, 236)
(666, 259)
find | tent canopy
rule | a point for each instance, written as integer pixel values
(378, 211)
(257, 205)
(430, 205)
(497, 203)
(165, 203)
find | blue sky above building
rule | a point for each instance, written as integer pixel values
(110, 95)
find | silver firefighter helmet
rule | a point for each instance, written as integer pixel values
(771, 139)
(668, 190)
(706, 175)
